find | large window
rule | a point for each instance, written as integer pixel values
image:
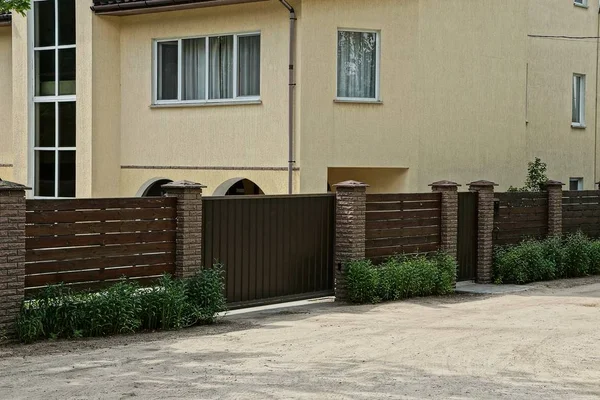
(578, 101)
(53, 142)
(207, 69)
(358, 65)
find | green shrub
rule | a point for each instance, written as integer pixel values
(124, 307)
(578, 259)
(595, 258)
(400, 278)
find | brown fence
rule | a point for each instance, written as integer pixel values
(520, 216)
(272, 247)
(87, 242)
(402, 224)
(581, 211)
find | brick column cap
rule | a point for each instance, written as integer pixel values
(183, 185)
(351, 185)
(551, 183)
(445, 185)
(482, 184)
(11, 186)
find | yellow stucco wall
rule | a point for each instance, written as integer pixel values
(6, 138)
(20, 99)
(552, 62)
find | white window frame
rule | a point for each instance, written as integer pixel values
(235, 99)
(581, 3)
(377, 98)
(32, 49)
(582, 88)
(579, 183)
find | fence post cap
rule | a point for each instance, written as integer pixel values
(445, 184)
(183, 185)
(351, 184)
(483, 183)
(11, 186)
(551, 183)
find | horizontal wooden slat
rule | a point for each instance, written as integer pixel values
(402, 232)
(523, 210)
(402, 241)
(49, 217)
(521, 196)
(99, 227)
(101, 262)
(510, 226)
(95, 286)
(92, 252)
(391, 251)
(399, 215)
(90, 204)
(581, 193)
(404, 206)
(97, 275)
(403, 197)
(419, 222)
(100, 239)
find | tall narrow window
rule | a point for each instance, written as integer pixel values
(208, 69)
(54, 60)
(578, 100)
(358, 65)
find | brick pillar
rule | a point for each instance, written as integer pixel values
(555, 194)
(12, 253)
(188, 257)
(449, 223)
(350, 227)
(485, 228)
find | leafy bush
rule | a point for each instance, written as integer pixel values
(400, 278)
(542, 260)
(124, 307)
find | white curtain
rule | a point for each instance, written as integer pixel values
(249, 65)
(357, 64)
(194, 69)
(221, 67)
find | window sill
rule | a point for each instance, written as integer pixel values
(581, 5)
(208, 104)
(578, 126)
(357, 101)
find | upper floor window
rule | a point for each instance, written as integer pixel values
(578, 100)
(575, 184)
(205, 69)
(358, 65)
(581, 3)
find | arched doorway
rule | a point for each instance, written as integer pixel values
(153, 188)
(238, 187)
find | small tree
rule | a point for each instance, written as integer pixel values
(536, 177)
(18, 6)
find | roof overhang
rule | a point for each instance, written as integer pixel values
(120, 7)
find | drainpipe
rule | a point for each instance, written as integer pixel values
(292, 89)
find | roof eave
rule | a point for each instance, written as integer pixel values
(155, 6)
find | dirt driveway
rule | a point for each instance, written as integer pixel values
(540, 344)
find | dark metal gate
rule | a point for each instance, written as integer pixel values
(467, 236)
(273, 248)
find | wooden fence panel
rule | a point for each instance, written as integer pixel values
(581, 212)
(520, 216)
(88, 243)
(402, 224)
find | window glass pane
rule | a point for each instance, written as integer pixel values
(576, 97)
(66, 124)
(66, 174)
(44, 173)
(168, 70)
(45, 125)
(194, 69)
(249, 65)
(357, 64)
(221, 68)
(66, 65)
(45, 73)
(66, 22)
(44, 23)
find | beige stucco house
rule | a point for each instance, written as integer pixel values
(113, 97)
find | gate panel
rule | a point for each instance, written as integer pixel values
(273, 248)
(467, 236)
